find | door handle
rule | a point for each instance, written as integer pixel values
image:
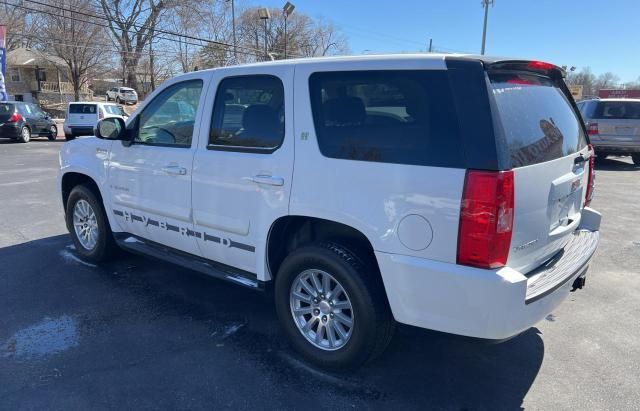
(269, 180)
(174, 170)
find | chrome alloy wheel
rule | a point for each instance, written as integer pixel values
(321, 309)
(85, 224)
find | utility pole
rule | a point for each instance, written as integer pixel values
(430, 45)
(485, 4)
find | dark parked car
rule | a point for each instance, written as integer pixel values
(20, 121)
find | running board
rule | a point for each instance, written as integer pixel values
(211, 268)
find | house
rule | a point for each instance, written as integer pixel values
(37, 77)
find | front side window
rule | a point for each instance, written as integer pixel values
(169, 119)
(248, 114)
(390, 116)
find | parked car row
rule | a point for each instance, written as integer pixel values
(20, 121)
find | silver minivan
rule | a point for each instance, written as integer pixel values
(613, 125)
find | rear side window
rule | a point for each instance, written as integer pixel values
(111, 109)
(248, 114)
(6, 108)
(405, 117)
(82, 109)
(617, 110)
(538, 121)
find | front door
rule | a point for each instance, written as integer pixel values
(243, 167)
(150, 180)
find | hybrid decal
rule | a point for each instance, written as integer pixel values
(146, 221)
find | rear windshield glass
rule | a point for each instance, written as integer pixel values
(405, 117)
(617, 110)
(82, 109)
(538, 121)
(6, 108)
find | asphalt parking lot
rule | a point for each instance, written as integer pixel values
(140, 334)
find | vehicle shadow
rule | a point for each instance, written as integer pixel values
(616, 164)
(161, 317)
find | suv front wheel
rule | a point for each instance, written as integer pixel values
(88, 225)
(332, 306)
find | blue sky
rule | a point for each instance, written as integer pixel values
(601, 34)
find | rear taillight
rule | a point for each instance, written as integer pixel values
(486, 219)
(15, 117)
(592, 129)
(540, 65)
(591, 178)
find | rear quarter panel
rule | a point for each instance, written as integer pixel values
(374, 197)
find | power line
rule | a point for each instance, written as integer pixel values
(253, 51)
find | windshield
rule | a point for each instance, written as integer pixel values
(538, 121)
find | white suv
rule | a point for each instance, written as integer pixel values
(82, 117)
(122, 95)
(444, 192)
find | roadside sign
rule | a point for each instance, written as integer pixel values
(619, 93)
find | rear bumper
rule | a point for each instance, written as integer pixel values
(489, 304)
(615, 146)
(79, 130)
(10, 130)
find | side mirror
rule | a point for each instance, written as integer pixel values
(112, 128)
(47, 116)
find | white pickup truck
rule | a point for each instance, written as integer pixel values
(446, 192)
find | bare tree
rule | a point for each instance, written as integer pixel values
(22, 27)
(305, 36)
(75, 40)
(132, 23)
(584, 78)
(606, 80)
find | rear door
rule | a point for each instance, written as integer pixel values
(41, 124)
(543, 139)
(243, 169)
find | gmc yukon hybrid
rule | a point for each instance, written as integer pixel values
(442, 191)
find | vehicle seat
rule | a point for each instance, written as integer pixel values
(260, 122)
(344, 111)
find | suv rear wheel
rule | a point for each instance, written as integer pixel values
(332, 306)
(25, 134)
(88, 225)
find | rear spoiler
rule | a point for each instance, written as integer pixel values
(534, 66)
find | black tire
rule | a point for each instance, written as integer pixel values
(69, 137)
(118, 100)
(53, 133)
(25, 135)
(105, 245)
(373, 322)
(636, 159)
